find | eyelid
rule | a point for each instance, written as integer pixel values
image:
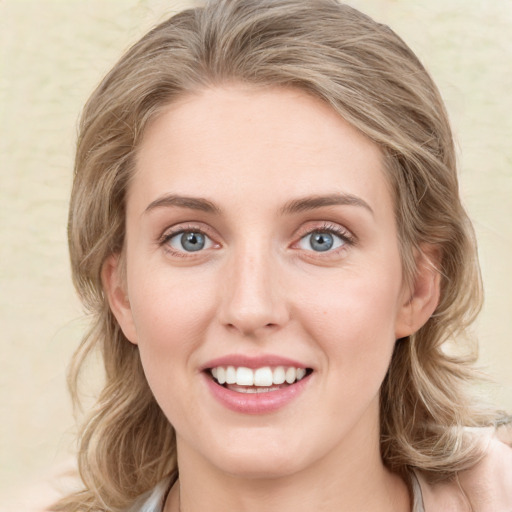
(336, 229)
(172, 231)
(329, 227)
(306, 229)
(181, 227)
(208, 242)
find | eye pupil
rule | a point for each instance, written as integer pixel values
(321, 241)
(192, 241)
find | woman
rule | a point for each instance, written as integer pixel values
(265, 223)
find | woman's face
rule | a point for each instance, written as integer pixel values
(261, 246)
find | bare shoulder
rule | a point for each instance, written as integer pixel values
(486, 487)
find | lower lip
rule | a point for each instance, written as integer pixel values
(256, 403)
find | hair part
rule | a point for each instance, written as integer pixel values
(367, 74)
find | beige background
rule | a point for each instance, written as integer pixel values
(52, 55)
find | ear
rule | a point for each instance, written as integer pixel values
(114, 287)
(422, 296)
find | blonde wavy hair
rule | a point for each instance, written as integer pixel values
(367, 74)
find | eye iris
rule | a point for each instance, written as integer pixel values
(321, 241)
(192, 241)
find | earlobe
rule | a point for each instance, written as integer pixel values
(422, 296)
(114, 287)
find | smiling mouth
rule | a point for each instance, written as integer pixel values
(259, 380)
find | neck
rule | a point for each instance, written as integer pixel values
(350, 478)
(388, 495)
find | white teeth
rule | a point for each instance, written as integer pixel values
(230, 375)
(264, 377)
(291, 375)
(279, 375)
(244, 376)
(221, 375)
(254, 389)
(301, 373)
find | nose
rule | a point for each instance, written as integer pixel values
(253, 299)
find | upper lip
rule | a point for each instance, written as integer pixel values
(252, 362)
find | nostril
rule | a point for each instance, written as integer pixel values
(252, 328)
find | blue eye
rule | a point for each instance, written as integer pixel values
(189, 241)
(321, 241)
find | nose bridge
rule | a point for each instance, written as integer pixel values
(252, 298)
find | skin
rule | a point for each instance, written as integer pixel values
(259, 288)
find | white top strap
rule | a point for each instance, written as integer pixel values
(417, 496)
(151, 501)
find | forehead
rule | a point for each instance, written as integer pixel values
(268, 143)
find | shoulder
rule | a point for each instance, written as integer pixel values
(486, 487)
(489, 483)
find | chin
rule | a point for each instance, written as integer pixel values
(260, 462)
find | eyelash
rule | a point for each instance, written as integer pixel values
(163, 241)
(345, 235)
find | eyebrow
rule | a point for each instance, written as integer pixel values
(193, 203)
(314, 202)
(294, 206)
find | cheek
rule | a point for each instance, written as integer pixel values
(366, 303)
(353, 320)
(169, 305)
(171, 315)
(171, 312)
